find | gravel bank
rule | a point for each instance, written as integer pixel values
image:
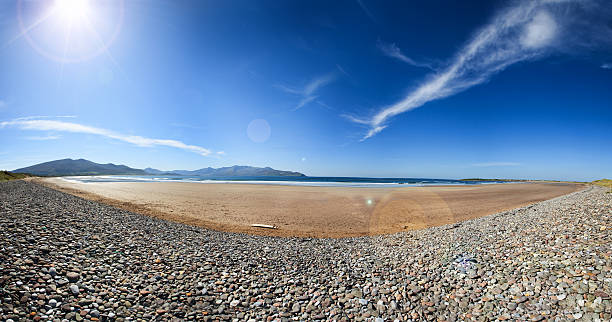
(62, 257)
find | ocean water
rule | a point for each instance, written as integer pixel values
(297, 181)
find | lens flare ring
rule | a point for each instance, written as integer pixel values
(70, 11)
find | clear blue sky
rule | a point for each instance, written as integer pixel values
(446, 89)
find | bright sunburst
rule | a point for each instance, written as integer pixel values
(70, 30)
(71, 11)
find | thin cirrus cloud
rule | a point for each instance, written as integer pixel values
(43, 138)
(529, 30)
(44, 117)
(61, 126)
(606, 66)
(308, 93)
(366, 10)
(391, 50)
(496, 164)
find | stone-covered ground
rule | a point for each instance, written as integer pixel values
(62, 257)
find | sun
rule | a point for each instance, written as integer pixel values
(70, 31)
(70, 11)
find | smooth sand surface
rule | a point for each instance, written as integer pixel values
(312, 211)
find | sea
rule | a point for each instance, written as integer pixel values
(289, 181)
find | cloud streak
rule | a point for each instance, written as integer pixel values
(529, 30)
(391, 50)
(604, 66)
(308, 92)
(366, 10)
(44, 117)
(42, 138)
(61, 126)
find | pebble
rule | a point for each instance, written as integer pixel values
(74, 289)
(72, 276)
(296, 308)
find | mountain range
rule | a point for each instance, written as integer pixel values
(82, 167)
(234, 171)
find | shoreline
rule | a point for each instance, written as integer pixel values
(305, 211)
(358, 183)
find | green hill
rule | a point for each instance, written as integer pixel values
(80, 167)
(604, 183)
(6, 175)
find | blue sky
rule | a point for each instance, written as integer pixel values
(333, 88)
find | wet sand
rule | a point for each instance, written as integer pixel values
(312, 211)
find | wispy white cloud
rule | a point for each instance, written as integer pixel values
(355, 119)
(366, 10)
(606, 66)
(325, 105)
(61, 126)
(308, 92)
(317, 83)
(342, 70)
(43, 138)
(528, 30)
(288, 89)
(496, 164)
(391, 50)
(304, 101)
(44, 117)
(3, 103)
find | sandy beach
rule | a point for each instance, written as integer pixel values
(313, 211)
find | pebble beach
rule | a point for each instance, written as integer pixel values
(67, 258)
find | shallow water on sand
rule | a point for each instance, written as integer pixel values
(297, 181)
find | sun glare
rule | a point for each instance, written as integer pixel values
(70, 11)
(70, 30)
